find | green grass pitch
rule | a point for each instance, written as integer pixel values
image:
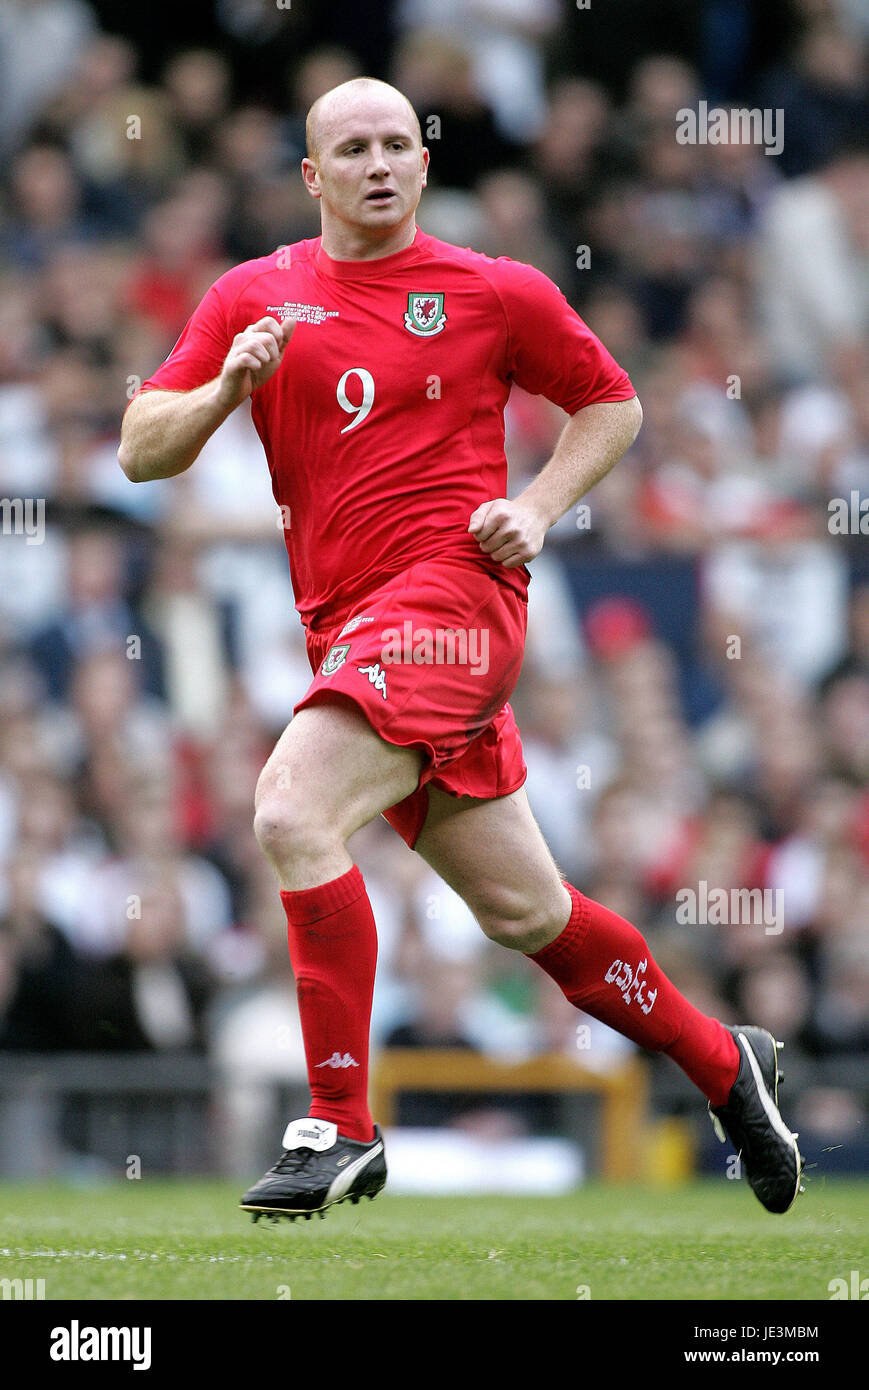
(151, 1239)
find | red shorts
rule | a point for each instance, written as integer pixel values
(431, 658)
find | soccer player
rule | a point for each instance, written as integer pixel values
(378, 361)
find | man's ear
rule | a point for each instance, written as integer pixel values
(311, 177)
(425, 159)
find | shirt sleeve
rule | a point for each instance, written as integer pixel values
(551, 352)
(199, 353)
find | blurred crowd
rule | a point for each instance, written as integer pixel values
(711, 726)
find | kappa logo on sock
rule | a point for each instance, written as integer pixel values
(337, 1062)
(625, 978)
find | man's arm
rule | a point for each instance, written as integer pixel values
(163, 431)
(591, 443)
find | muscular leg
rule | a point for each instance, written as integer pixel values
(494, 855)
(329, 774)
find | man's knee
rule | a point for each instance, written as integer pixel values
(289, 826)
(329, 774)
(295, 816)
(522, 922)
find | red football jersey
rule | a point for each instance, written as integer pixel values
(383, 426)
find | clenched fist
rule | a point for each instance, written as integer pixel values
(254, 357)
(511, 532)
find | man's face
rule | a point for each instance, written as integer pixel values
(370, 168)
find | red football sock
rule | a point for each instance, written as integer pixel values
(604, 967)
(333, 948)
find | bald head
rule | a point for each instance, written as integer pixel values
(366, 166)
(331, 111)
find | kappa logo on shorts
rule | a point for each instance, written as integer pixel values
(425, 314)
(376, 675)
(335, 657)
